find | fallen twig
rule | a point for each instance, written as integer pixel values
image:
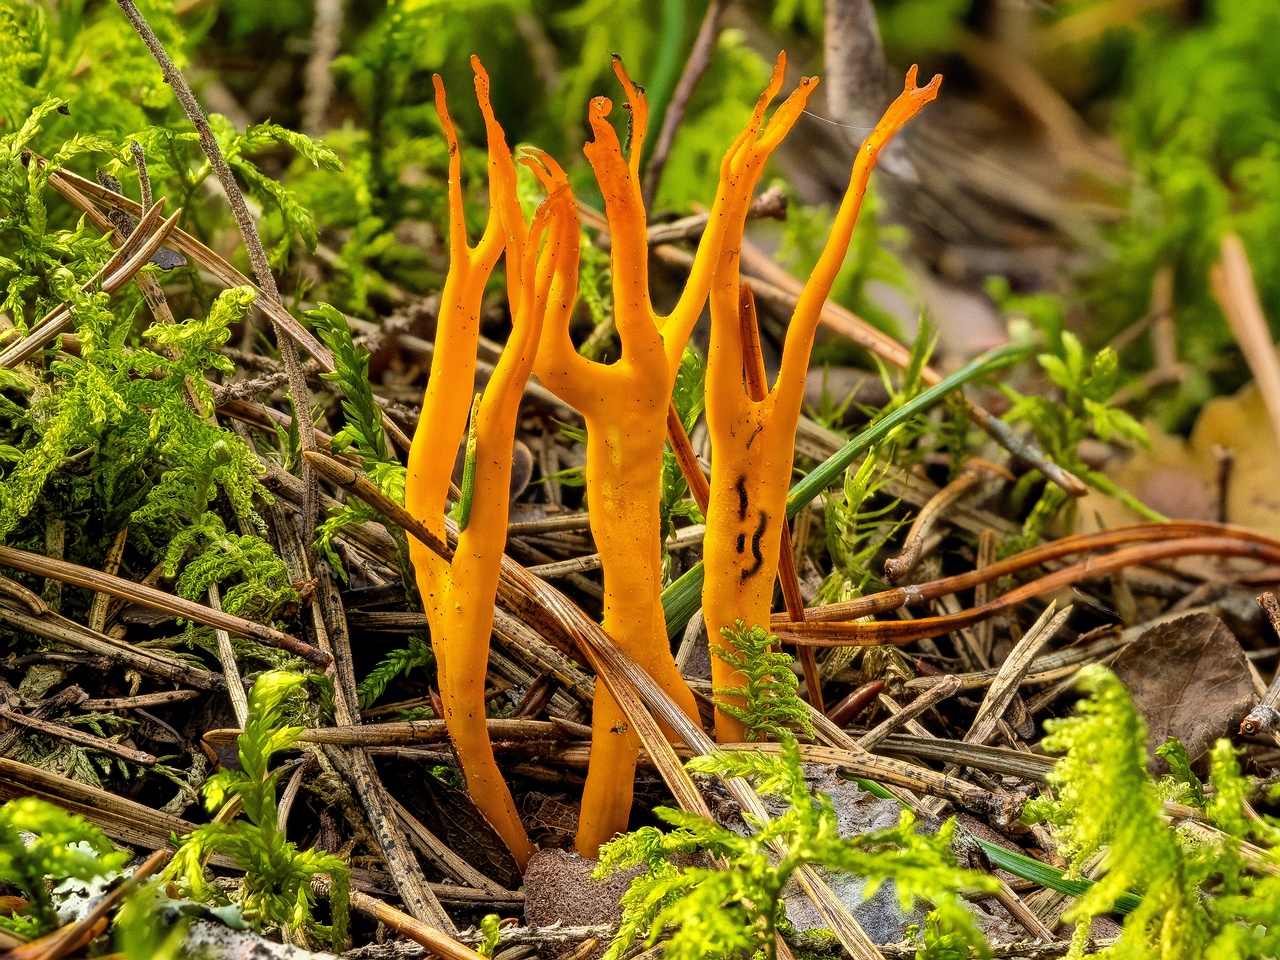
(155, 599)
(155, 664)
(699, 59)
(133, 257)
(77, 934)
(248, 233)
(1264, 719)
(80, 738)
(828, 634)
(915, 593)
(947, 686)
(898, 567)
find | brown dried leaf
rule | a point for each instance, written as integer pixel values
(451, 816)
(1189, 679)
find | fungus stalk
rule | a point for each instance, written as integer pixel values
(459, 595)
(625, 406)
(753, 441)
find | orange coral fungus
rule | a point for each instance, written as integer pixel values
(625, 408)
(752, 442)
(624, 405)
(459, 595)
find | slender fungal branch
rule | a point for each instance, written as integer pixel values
(625, 406)
(458, 594)
(752, 442)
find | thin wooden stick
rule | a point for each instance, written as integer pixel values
(252, 242)
(74, 935)
(1264, 719)
(1002, 690)
(699, 59)
(160, 699)
(895, 568)
(59, 319)
(53, 627)
(440, 944)
(83, 194)
(947, 686)
(79, 576)
(230, 669)
(916, 593)
(111, 563)
(699, 487)
(80, 738)
(904, 631)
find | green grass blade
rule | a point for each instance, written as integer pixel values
(830, 470)
(681, 599)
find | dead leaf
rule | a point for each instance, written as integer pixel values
(1179, 478)
(1189, 679)
(451, 816)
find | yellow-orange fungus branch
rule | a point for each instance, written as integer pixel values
(625, 406)
(753, 441)
(459, 594)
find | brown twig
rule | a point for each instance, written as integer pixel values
(230, 669)
(80, 738)
(64, 699)
(1045, 669)
(690, 466)
(74, 935)
(895, 568)
(111, 563)
(140, 162)
(1002, 761)
(1005, 686)
(79, 576)
(1264, 719)
(440, 944)
(902, 774)
(160, 699)
(123, 265)
(947, 686)
(855, 703)
(699, 59)
(771, 204)
(829, 634)
(915, 593)
(28, 598)
(53, 627)
(401, 732)
(248, 233)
